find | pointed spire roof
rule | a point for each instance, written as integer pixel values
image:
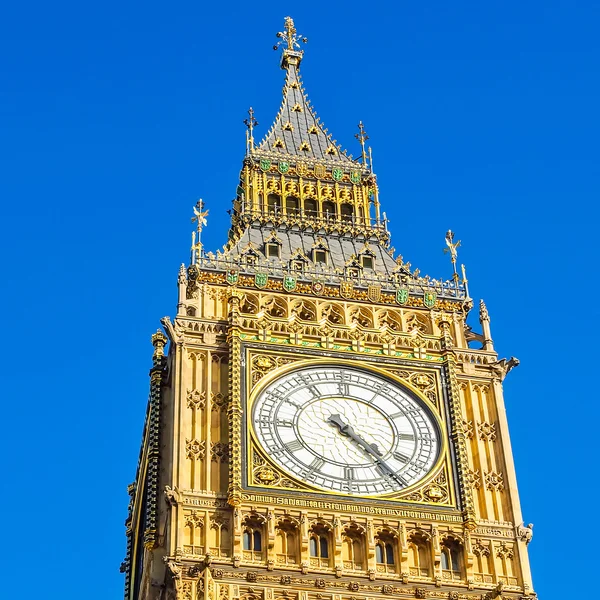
(297, 130)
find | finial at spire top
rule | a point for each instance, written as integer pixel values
(291, 39)
(362, 137)
(452, 249)
(250, 123)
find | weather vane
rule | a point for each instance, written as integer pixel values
(250, 123)
(200, 219)
(362, 137)
(452, 246)
(289, 36)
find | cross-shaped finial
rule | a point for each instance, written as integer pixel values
(362, 137)
(452, 249)
(289, 36)
(250, 123)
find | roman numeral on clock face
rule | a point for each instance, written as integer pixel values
(294, 446)
(316, 464)
(406, 436)
(401, 456)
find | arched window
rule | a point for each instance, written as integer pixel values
(385, 556)
(384, 553)
(252, 539)
(451, 559)
(286, 543)
(273, 204)
(353, 548)
(292, 205)
(318, 545)
(328, 210)
(310, 207)
(347, 212)
(419, 555)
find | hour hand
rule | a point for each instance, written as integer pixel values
(344, 428)
(348, 431)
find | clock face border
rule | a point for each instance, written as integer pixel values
(251, 446)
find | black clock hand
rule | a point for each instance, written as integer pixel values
(371, 449)
(348, 431)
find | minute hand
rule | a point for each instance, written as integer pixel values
(371, 449)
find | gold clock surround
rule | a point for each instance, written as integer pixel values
(277, 479)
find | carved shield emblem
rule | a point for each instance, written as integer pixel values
(320, 171)
(261, 280)
(337, 174)
(429, 299)
(402, 295)
(284, 166)
(347, 289)
(355, 176)
(318, 287)
(374, 293)
(232, 276)
(301, 168)
(289, 283)
(265, 164)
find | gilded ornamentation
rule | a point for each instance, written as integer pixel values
(437, 491)
(265, 474)
(494, 481)
(262, 364)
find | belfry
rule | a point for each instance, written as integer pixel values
(322, 423)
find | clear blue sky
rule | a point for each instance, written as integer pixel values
(116, 118)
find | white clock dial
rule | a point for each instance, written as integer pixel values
(346, 430)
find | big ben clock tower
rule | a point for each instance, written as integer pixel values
(322, 423)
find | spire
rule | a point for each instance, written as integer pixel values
(297, 131)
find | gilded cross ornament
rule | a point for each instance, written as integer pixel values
(362, 137)
(289, 36)
(452, 250)
(250, 123)
(200, 219)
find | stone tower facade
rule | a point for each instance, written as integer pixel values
(324, 425)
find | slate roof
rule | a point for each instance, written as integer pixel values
(341, 248)
(304, 126)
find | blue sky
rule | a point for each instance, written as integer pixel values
(116, 118)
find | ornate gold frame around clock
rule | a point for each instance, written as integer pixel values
(264, 366)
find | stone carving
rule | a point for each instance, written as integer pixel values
(525, 532)
(504, 551)
(219, 452)
(468, 429)
(196, 400)
(501, 368)
(172, 496)
(474, 478)
(494, 481)
(195, 449)
(486, 431)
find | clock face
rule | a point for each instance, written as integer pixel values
(346, 430)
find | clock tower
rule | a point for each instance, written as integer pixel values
(322, 423)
